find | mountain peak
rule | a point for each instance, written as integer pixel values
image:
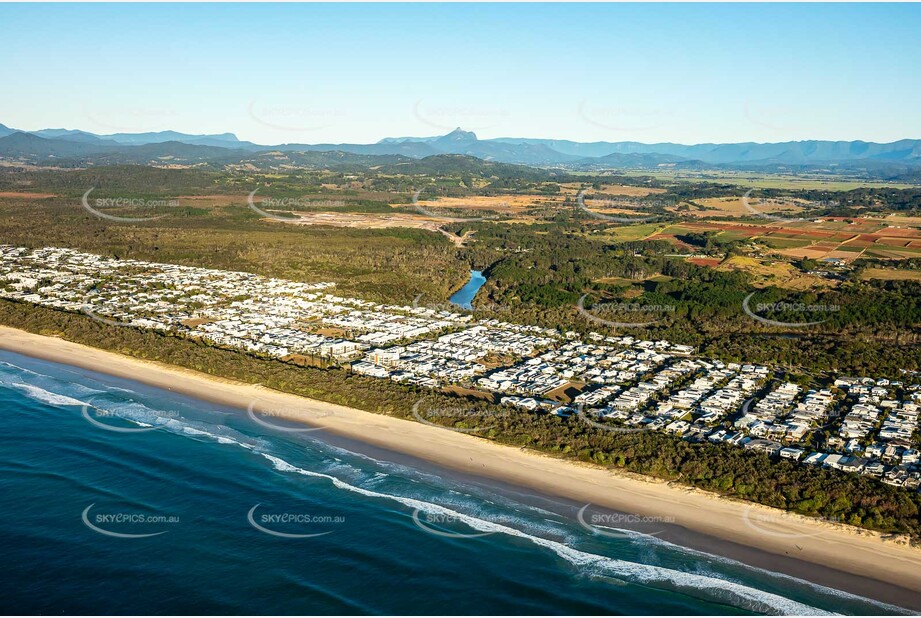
(459, 133)
(458, 138)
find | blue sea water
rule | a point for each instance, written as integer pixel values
(463, 298)
(199, 509)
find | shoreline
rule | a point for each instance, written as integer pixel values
(865, 563)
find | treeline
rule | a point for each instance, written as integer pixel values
(727, 470)
(536, 273)
(709, 241)
(127, 180)
(539, 274)
(855, 201)
(392, 264)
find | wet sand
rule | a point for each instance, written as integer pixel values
(835, 555)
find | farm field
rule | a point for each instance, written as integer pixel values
(891, 274)
(903, 220)
(768, 181)
(613, 206)
(626, 281)
(825, 239)
(735, 207)
(777, 273)
(629, 233)
(614, 189)
(503, 204)
(22, 195)
(366, 221)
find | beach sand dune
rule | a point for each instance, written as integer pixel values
(848, 550)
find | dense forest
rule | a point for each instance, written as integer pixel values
(870, 327)
(536, 273)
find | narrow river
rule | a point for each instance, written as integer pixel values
(463, 298)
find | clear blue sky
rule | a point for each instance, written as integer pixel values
(276, 73)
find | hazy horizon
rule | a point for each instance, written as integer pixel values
(435, 136)
(360, 73)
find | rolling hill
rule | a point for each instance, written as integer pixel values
(74, 147)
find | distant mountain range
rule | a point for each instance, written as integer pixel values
(74, 148)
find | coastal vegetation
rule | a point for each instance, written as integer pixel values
(540, 254)
(728, 471)
(701, 255)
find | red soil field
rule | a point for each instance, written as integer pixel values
(710, 262)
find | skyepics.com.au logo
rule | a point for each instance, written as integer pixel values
(485, 307)
(451, 116)
(779, 118)
(787, 308)
(424, 207)
(127, 524)
(131, 118)
(91, 311)
(125, 203)
(610, 310)
(438, 307)
(621, 525)
(299, 203)
(746, 405)
(283, 204)
(580, 205)
(283, 421)
(457, 417)
(779, 524)
(442, 522)
(619, 118)
(295, 116)
(106, 419)
(293, 524)
(750, 207)
(595, 419)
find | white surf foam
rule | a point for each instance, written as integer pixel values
(719, 588)
(647, 539)
(18, 368)
(755, 600)
(230, 437)
(39, 394)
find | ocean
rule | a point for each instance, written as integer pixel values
(120, 498)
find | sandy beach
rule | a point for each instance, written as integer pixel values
(890, 562)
